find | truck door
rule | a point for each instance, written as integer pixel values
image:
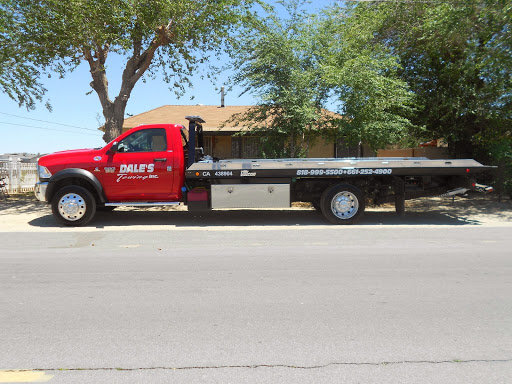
(141, 168)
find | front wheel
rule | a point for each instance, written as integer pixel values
(73, 206)
(342, 204)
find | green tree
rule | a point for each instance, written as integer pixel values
(19, 71)
(456, 58)
(275, 60)
(362, 74)
(157, 36)
(296, 65)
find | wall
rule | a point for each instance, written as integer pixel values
(321, 149)
(429, 152)
(222, 147)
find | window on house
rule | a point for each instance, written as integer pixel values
(250, 147)
(208, 147)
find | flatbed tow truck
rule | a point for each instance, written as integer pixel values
(163, 164)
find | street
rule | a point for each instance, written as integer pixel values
(280, 303)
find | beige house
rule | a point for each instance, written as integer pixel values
(220, 135)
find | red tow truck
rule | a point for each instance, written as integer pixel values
(164, 164)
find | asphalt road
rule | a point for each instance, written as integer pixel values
(252, 304)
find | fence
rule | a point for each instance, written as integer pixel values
(18, 177)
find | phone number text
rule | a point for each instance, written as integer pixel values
(351, 171)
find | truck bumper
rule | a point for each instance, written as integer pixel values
(40, 191)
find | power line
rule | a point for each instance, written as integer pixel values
(49, 122)
(48, 129)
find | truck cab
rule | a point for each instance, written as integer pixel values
(146, 163)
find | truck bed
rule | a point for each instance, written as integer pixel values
(330, 167)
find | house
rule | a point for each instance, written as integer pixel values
(221, 139)
(434, 149)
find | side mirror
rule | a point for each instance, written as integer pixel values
(114, 148)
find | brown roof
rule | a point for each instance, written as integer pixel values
(214, 116)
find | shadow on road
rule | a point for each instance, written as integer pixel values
(22, 204)
(260, 218)
(477, 210)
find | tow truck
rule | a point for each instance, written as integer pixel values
(165, 164)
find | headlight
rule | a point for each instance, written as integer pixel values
(44, 173)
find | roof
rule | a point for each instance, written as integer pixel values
(215, 116)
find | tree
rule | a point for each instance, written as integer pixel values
(374, 102)
(172, 37)
(18, 73)
(455, 56)
(296, 64)
(275, 60)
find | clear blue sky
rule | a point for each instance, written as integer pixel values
(41, 131)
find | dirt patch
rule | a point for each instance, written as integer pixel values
(477, 207)
(22, 203)
(19, 210)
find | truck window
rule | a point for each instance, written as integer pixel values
(184, 137)
(146, 140)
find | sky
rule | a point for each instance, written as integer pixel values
(76, 116)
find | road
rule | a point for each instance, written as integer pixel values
(286, 303)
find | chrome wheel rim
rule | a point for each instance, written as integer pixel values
(344, 205)
(72, 207)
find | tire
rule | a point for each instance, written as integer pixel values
(73, 206)
(342, 204)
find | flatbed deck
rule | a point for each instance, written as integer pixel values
(331, 167)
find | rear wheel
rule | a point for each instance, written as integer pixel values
(73, 206)
(342, 204)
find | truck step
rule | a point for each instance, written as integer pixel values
(142, 204)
